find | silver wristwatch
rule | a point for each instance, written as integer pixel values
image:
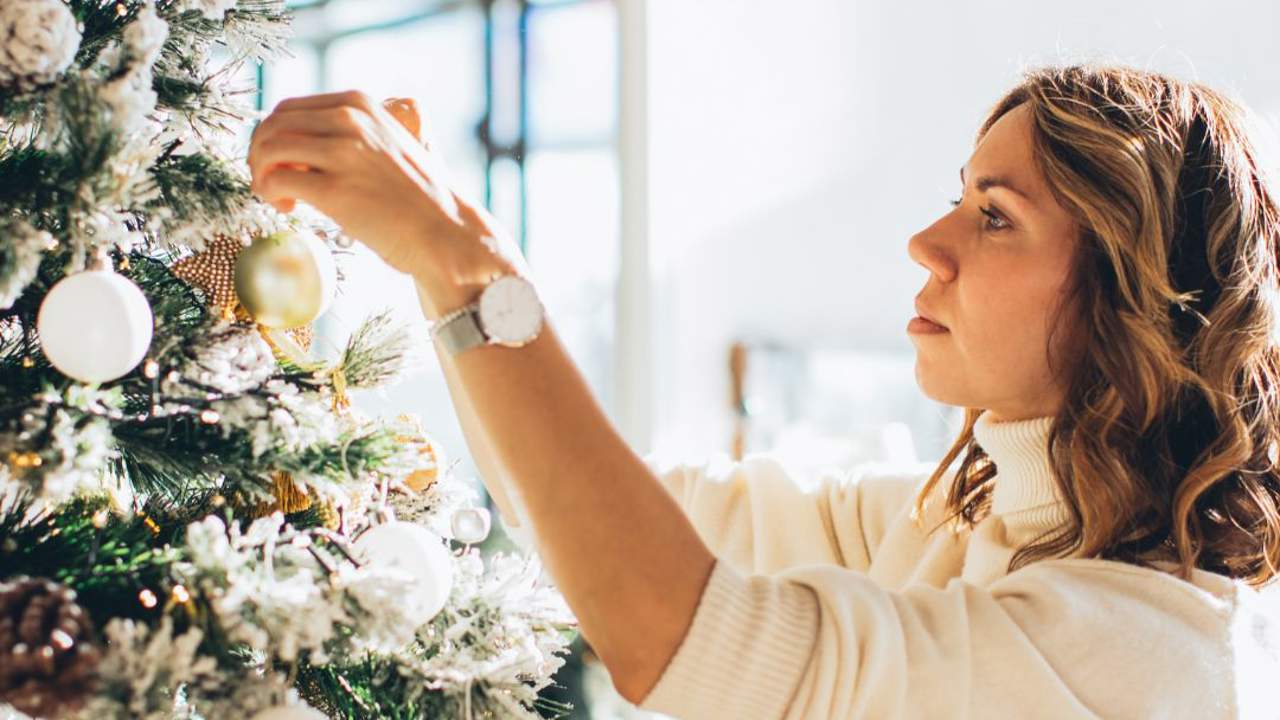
(508, 313)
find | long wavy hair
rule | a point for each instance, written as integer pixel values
(1167, 446)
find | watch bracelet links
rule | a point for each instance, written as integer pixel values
(459, 330)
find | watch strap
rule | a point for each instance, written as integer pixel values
(460, 330)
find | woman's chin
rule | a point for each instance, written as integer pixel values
(935, 389)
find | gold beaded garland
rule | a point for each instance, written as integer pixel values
(213, 271)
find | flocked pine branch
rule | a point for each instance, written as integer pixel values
(144, 493)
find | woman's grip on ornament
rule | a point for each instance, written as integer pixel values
(384, 187)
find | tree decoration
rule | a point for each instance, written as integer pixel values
(428, 471)
(47, 654)
(470, 525)
(286, 279)
(289, 499)
(143, 491)
(40, 42)
(95, 325)
(213, 271)
(328, 515)
(413, 549)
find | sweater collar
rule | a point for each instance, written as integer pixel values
(1025, 491)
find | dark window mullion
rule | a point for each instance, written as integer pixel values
(522, 142)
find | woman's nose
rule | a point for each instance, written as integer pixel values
(926, 249)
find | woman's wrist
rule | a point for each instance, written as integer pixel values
(455, 276)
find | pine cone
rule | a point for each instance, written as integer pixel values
(40, 39)
(48, 658)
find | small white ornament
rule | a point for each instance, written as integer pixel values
(40, 41)
(290, 712)
(95, 326)
(416, 550)
(470, 525)
(286, 279)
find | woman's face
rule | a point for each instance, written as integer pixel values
(998, 263)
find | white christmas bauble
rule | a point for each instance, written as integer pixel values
(470, 525)
(95, 325)
(418, 551)
(290, 712)
(286, 279)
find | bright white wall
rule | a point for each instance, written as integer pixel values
(791, 149)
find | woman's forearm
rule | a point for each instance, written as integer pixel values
(626, 559)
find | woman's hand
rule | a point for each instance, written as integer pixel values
(367, 166)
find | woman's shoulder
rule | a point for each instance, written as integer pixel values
(1209, 626)
(1158, 583)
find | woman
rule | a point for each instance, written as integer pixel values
(1102, 299)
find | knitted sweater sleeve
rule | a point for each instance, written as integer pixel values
(1053, 640)
(759, 517)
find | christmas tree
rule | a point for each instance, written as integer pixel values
(194, 519)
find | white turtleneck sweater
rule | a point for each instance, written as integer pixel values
(832, 603)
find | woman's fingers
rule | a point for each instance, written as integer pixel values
(283, 185)
(309, 151)
(330, 121)
(352, 98)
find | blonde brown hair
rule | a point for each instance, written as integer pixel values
(1166, 446)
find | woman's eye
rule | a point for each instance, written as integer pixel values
(994, 221)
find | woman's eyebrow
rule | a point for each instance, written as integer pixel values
(986, 182)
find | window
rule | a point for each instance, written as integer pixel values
(522, 98)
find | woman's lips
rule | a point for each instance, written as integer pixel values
(923, 326)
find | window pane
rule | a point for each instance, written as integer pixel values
(439, 62)
(314, 19)
(291, 76)
(573, 252)
(573, 69)
(505, 205)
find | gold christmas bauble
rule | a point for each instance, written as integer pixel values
(286, 279)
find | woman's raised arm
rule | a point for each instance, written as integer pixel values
(628, 562)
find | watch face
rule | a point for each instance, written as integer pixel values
(510, 311)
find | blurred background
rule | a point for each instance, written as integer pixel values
(715, 196)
